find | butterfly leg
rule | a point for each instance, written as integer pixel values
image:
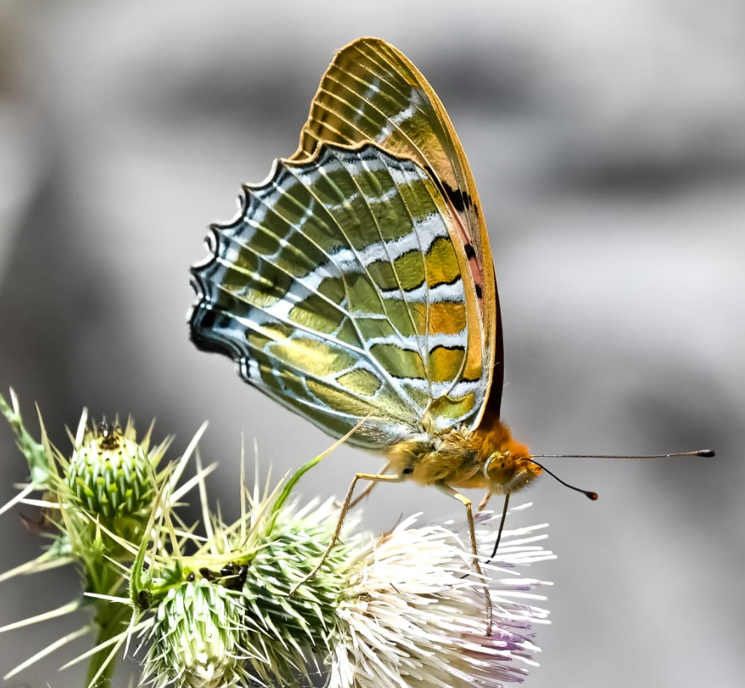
(364, 494)
(450, 492)
(374, 478)
(484, 501)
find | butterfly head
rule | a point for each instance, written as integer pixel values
(510, 467)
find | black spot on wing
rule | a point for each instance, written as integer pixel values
(460, 199)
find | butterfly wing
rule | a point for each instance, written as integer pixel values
(340, 293)
(372, 92)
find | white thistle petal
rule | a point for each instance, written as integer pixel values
(414, 615)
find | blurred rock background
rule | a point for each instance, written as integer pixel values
(608, 143)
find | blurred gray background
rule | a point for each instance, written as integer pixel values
(608, 144)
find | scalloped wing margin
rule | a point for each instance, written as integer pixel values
(339, 293)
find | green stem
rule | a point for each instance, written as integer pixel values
(110, 625)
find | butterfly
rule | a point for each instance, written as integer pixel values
(356, 285)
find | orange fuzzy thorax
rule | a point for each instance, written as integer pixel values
(485, 458)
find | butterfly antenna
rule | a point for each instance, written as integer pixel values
(594, 495)
(588, 493)
(698, 452)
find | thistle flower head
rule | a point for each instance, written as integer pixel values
(104, 494)
(96, 504)
(195, 637)
(110, 474)
(414, 614)
(284, 632)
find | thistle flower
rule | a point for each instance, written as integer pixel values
(414, 615)
(110, 478)
(285, 632)
(99, 498)
(110, 473)
(195, 637)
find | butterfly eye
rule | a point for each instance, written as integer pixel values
(497, 460)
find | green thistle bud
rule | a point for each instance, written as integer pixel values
(195, 637)
(110, 474)
(281, 628)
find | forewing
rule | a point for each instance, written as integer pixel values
(339, 292)
(372, 92)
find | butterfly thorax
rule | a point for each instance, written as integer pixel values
(486, 457)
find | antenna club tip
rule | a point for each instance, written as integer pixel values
(592, 495)
(706, 452)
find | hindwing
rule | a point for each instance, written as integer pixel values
(340, 293)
